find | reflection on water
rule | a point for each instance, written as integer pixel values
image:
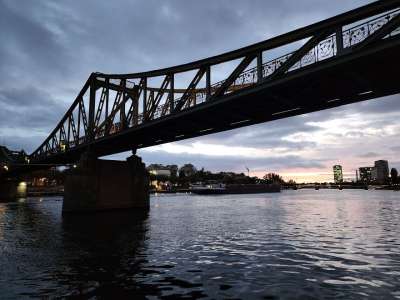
(293, 245)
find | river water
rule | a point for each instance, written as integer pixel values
(303, 244)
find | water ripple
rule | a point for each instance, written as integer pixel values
(293, 245)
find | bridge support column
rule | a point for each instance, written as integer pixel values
(98, 185)
(11, 189)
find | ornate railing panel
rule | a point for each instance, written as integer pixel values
(359, 33)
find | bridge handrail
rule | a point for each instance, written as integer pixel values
(252, 71)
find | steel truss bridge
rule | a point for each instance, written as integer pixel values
(354, 56)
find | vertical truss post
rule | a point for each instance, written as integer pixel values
(339, 40)
(171, 93)
(208, 82)
(122, 116)
(194, 98)
(107, 97)
(135, 113)
(69, 131)
(92, 108)
(144, 96)
(259, 66)
(79, 124)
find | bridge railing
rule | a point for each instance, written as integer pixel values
(325, 49)
(111, 104)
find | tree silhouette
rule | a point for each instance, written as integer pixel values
(273, 178)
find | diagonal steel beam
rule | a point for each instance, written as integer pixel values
(154, 104)
(73, 128)
(83, 114)
(149, 100)
(116, 108)
(228, 82)
(107, 123)
(100, 106)
(298, 55)
(165, 107)
(169, 104)
(186, 95)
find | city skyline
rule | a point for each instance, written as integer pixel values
(338, 169)
(302, 148)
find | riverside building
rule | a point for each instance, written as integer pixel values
(366, 174)
(381, 171)
(337, 174)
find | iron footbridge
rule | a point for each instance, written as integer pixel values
(352, 57)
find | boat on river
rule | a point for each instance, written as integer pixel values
(219, 189)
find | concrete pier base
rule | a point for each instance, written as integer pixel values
(12, 189)
(101, 185)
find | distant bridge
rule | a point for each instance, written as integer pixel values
(352, 57)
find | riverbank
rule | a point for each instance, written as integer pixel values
(45, 191)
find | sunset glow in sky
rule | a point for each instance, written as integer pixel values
(49, 49)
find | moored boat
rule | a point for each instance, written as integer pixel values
(236, 189)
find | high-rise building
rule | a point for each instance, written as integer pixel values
(374, 174)
(337, 174)
(365, 174)
(381, 172)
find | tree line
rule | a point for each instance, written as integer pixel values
(204, 176)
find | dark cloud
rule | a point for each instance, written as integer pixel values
(29, 108)
(262, 135)
(27, 143)
(26, 96)
(32, 49)
(369, 154)
(395, 164)
(378, 106)
(395, 148)
(238, 164)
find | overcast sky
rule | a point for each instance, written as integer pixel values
(49, 48)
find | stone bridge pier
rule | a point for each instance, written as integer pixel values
(101, 185)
